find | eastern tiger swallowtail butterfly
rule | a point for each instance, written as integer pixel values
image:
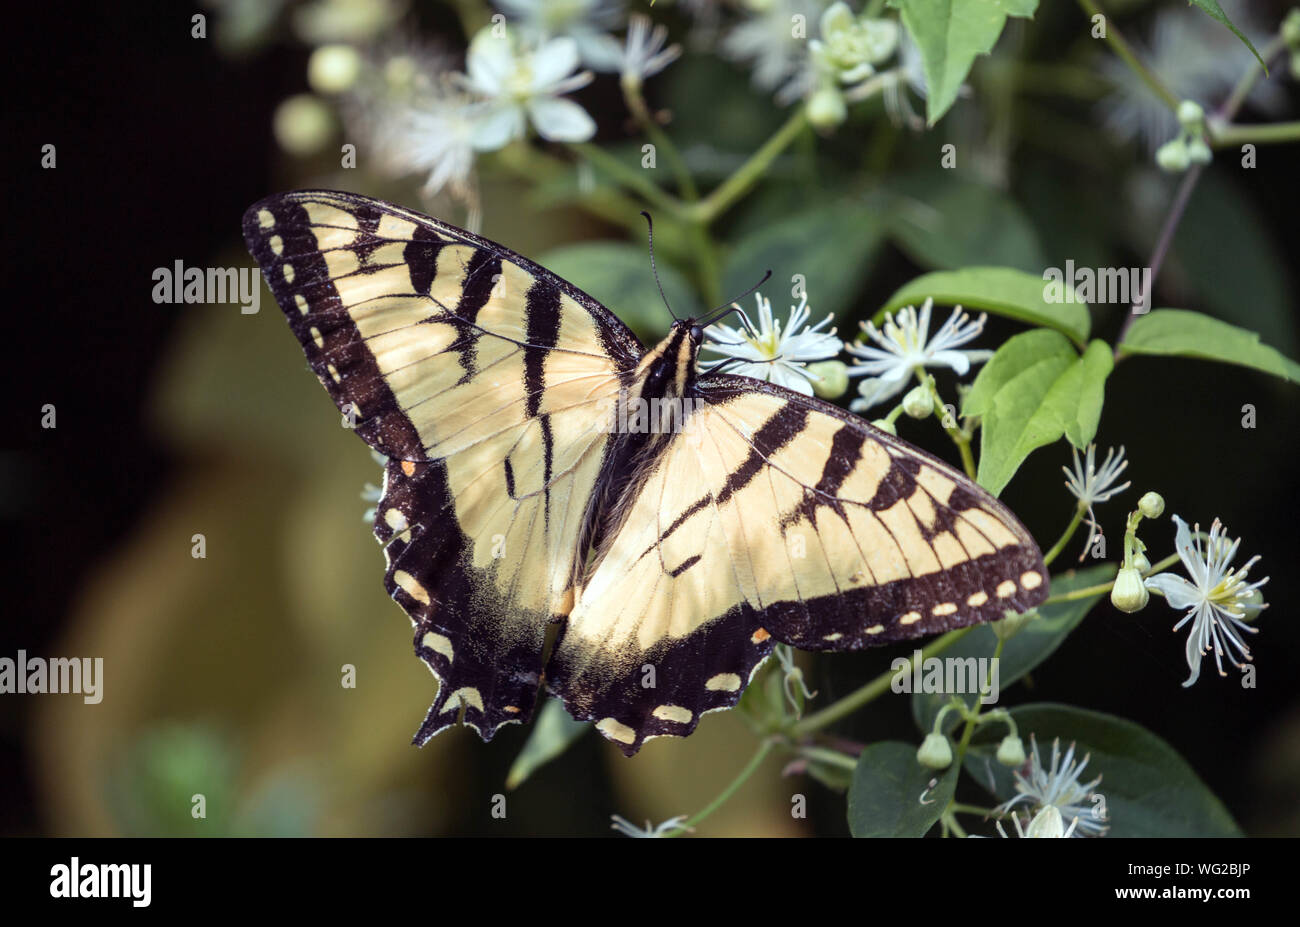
(673, 559)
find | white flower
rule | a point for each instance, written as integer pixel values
(769, 39)
(1197, 59)
(1219, 600)
(416, 119)
(587, 22)
(439, 139)
(906, 347)
(769, 352)
(851, 47)
(645, 54)
(1091, 485)
(1058, 787)
(525, 84)
(627, 828)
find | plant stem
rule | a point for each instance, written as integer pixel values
(523, 160)
(1065, 538)
(632, 178)
(869, 692)
(1277, 133)
(830, 757)
(1246, 84)
(1162, 248)
(959, 437)
(1100, 588)
(636, 104)
(1121, 47)
(725, 195)
(725, 795)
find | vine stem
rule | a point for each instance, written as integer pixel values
(1223, 114)
(958, 436)
(1277, 133)
(636, 104)
(1122, 48)
(725, 795)
(725, 195)
(871, 691)
(1065, 538)
(1166, 239)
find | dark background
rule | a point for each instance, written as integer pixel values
(161, 146)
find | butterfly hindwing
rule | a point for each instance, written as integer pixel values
(776, 517)
(489, 383)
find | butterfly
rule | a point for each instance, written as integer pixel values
(520, 494)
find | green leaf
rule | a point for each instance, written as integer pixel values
(618, 275)
(1078, 396)
(1036, 641)
(1034, 390)
(1214, 11)
(1190, 334)
(946, 223)
(830, 246)
(553, 732)
(949, 35)
(885, 795)
(1001, 290)
(1149, 789)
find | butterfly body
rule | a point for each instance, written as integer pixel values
(674, 549)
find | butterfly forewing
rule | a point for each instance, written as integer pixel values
(490, 384)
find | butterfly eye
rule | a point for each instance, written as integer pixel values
(697, 333)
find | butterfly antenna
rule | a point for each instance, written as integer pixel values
(650, 234)
(724, 310)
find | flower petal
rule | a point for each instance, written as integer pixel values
(559, 120)
(1178, 592)
(554, 61)
(498, 127)
(489, 61)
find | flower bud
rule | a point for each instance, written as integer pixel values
(830, 378)
(826, 108)
(1129, 594)
(1198, 152)
(1190, 114)
(333, 68)
(1291, 29)
(1151, 505)
(1047, 823)
(1011, 752)
(1251, 603)
(935, 752)
(918, 403)
(303, 124)
(885, 425)
(1172, 156)
(1141, 563)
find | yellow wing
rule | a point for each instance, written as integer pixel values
(775, 517)
(490, 384)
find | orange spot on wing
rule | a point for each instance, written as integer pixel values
(408, 467)
(760, 635)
